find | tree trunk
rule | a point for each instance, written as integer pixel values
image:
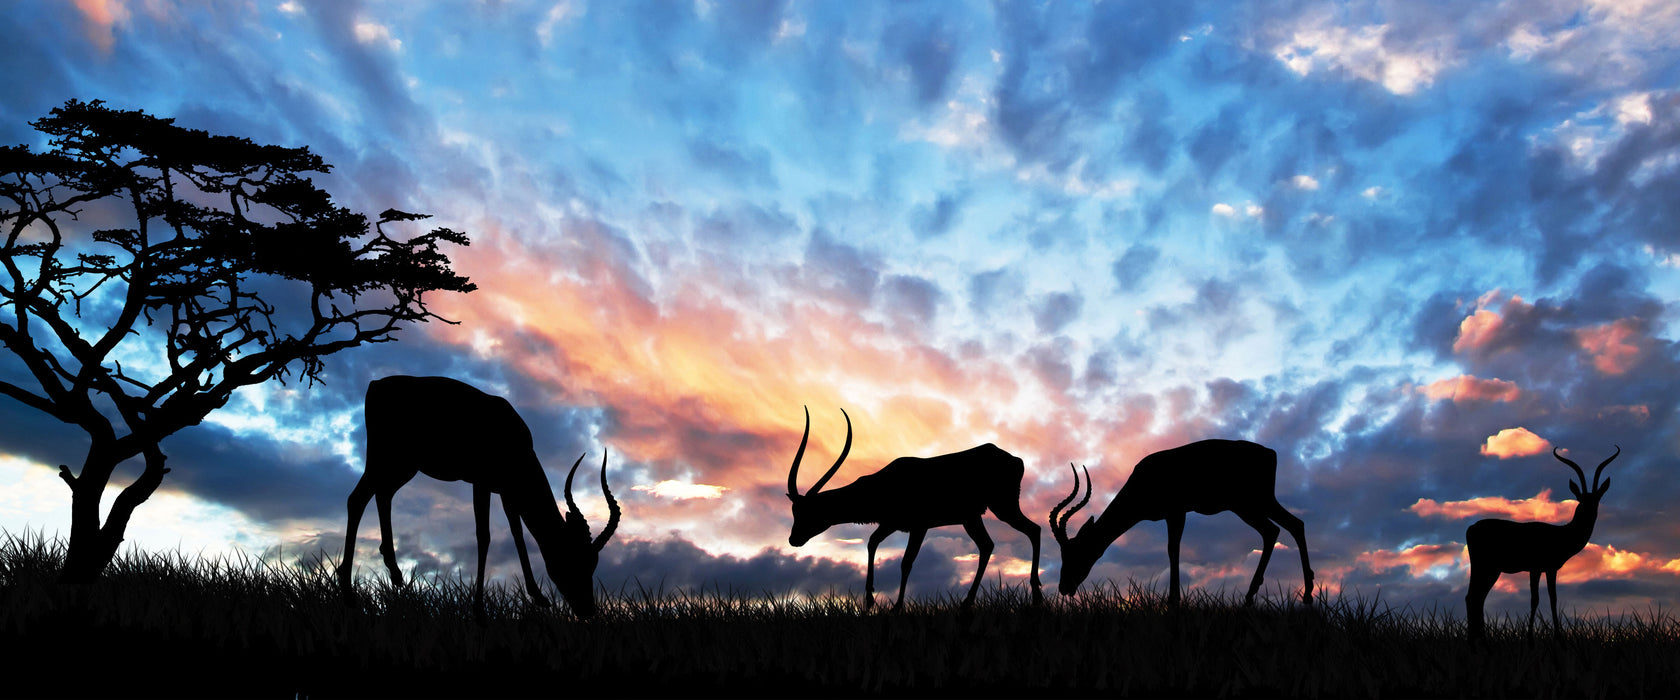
(92, 545)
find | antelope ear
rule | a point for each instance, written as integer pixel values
(1604, 486)
(1087, 524)
(1574, 489)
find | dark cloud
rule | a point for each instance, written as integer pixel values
(835, 267)
(928, 49)
(1053, 312)
(990, 292)
(916, 299)
(935, 220)
(749, 165)
(1133, 267)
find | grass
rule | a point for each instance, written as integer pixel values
(173, 625)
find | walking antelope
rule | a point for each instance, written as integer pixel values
(1504, 547)
(913, 494)
(1208, 477)
(451, 431)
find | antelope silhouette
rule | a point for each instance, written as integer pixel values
(914, 494)
(1208, 477)
(450, 431)
(1505, 547)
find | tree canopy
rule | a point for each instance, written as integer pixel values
(214, 254)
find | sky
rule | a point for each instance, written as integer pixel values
(1411, 246)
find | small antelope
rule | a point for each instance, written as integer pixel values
(1506, 547)
(1210, 476)
(913, 494)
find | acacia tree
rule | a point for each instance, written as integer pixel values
(226, 267)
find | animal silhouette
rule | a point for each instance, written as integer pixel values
(1505, 547)
(914, 494)
(1208, 477)
(450, 431)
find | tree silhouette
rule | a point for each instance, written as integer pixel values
(205, 263)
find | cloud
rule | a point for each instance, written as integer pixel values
(1304, 182)
(671, 488)
(375, 34)
(1514, 442)
(1418, 560)
(1464, 388)
(1366, 53)
(101, 20)
(1540, 508)
(1611, 346)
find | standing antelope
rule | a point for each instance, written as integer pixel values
(451, 431)
(1210, 476)
(1504, 547)
(913, 494)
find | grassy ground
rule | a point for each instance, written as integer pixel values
(177, 626)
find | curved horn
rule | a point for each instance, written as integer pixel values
(1572, 465)
(1058, 527)
(843, 452)
(572, 512)
(793, 474)
(1603, 464)
(612, 508)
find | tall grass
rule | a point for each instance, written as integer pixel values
(168, 624)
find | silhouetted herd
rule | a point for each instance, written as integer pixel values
(451, 431)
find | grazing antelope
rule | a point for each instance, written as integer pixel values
(1210, 476)
(451, 431)
(1504, 547)
(913, 494)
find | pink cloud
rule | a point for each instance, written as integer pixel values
(1611, 345)
(1540, 507)
(1477, 330)
(1416, 559)
(1468, 388)
(102, 17)
(1514, 442)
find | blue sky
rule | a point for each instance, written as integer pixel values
(1411, 246)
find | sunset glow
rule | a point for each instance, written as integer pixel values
(1413, 248)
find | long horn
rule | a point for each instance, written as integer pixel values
(1603, 464)
(572, 512)
(843, 452)
(1055, 523)
(793, 474)
(1572, 465)
(612, 508)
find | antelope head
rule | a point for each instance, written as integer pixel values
(573, 571)
(1078, 556)
(1588, 497)
(807, 520)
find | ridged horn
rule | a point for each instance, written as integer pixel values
(572, 513)
(612, 508)
(1058, 526)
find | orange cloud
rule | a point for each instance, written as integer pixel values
(1417, 559)
(1540, 507)
(1514, 442)
(1468, 388)
(1611, 345)
(1605, 561)
(102, 17)
(1477, 330)
(704, 379)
